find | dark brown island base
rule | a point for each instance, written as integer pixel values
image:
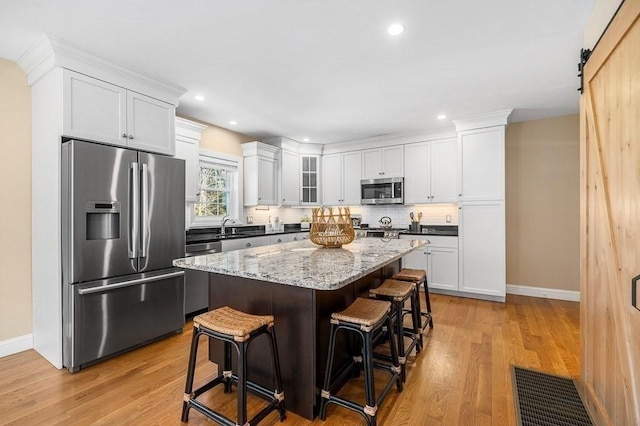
(300, 284)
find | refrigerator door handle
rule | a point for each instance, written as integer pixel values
(134, 209)
(145, 211)
(109, 287)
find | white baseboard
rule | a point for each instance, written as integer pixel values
(546, 293)
(15, 345)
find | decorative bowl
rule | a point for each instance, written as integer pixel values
(331, 226)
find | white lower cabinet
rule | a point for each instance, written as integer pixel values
(439, 259)
(281, 238)
(482, 249)
(242, 243)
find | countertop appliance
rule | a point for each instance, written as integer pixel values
(196, 283)
(382, 191)
(122, 226)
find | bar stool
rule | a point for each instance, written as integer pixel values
(235, 329)
(365, 317)
(418, 277)
(398, 292)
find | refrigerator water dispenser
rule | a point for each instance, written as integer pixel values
(103, 220)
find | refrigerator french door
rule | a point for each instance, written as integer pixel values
(122, 225)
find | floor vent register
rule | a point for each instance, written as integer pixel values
(546, 399)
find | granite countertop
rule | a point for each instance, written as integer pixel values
(305, 264)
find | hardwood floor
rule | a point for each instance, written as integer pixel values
(461, 378)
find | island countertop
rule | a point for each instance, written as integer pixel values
(304, 264)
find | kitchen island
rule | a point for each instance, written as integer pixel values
(301, 284)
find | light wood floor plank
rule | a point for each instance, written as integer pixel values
(461, 377)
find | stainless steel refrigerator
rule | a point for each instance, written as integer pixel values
(122, 225)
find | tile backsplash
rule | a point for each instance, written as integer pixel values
(436, 214)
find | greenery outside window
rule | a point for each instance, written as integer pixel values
(218, 190)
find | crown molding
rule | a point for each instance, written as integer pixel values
(259, 148)
(489, 119)
(50, 52)
(387, 140)
(189, 129)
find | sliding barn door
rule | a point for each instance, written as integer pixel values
(610, 221)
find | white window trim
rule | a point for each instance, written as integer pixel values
(237, 201)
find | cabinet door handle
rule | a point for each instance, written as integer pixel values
(130, 136)
(124, 135)
(279, 240)
(248, 245)
(459, 195)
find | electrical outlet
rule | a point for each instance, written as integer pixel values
(448, 219)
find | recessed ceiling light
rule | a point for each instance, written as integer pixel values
(305, 140)
(395, 29)
(233, 122)
(199, 98)
(442, 117)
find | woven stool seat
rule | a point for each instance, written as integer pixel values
(366, 319)
(415, 275)
(392, 288)
(235, 330)
(365, 312)
(233, 323)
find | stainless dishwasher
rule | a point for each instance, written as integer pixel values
(196, 283)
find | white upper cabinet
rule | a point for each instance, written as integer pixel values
(309, 179)
(351, 176)
(150, 124)
(383, 162)
(290, 178)
(430, 172)
(341, 174)
(417, 182)
(188, 135)
(481, 153)
(332, 179)
(104, 112)
(94, 110)
(260, 174)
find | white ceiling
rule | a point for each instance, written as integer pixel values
(327, 69)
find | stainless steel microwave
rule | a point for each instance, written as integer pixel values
(382, 191)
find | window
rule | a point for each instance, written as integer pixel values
(218, 189)
(214, 190)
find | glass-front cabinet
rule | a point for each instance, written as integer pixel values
(309, 179)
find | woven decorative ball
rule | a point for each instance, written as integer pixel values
(331, 226)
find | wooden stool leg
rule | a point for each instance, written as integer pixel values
(394, 352)
(417, 318)
(367, 354)
(428, 300)
(227, 365)
(397, 306)
(276, 365)
(327, 374)
(242, 383)
(190, 373)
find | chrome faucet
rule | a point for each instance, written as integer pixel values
(225, 219)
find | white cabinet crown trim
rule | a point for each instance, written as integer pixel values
(488, 119)
(50, 52)
(189, 129)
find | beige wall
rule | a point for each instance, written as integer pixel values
(543, 203)
(15, 193)
(222, 140)
(603, 11)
